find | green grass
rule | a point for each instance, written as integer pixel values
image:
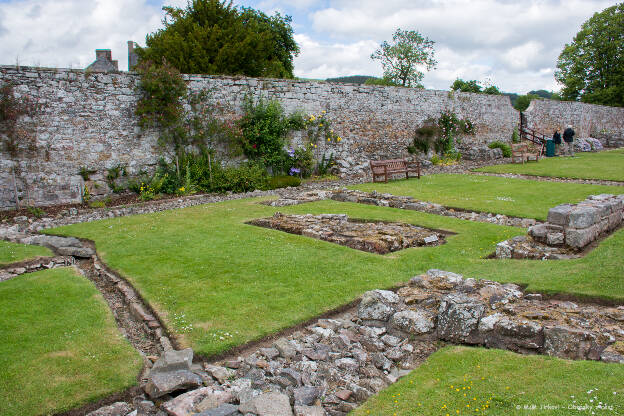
(218, 282)
(59, 345)
(516, 197)
(607, 165)
(13, 252)
(507, 383)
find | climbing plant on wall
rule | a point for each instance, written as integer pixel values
(15, 134)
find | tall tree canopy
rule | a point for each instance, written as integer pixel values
(591, 68)
(214, 37)
(401, 59)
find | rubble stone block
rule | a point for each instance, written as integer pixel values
(378, 305)
(555, 239)
(559, 215)
(458, 317)
(565, 342)
(583, 217)
(579, 238)
(416, 322)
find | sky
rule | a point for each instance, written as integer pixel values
(513, 44)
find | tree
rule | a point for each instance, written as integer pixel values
(591, 68)
(523, 101)
(492, 90)
(212, 37)
(466, 86)
(474, 86)
(401, 59)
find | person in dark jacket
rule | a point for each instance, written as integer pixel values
(557, 141)
(568, 137)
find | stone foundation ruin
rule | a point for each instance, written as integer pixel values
(570, 229)
(371, 236)
(332, 366)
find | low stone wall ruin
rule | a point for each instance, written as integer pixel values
(401, 202)
(569, 229)
(333, 365)
(371, 236)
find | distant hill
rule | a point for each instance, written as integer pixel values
(512, 96)
(353, 79)
(542, 93)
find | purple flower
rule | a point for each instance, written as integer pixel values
(293, 171)
(291, 152)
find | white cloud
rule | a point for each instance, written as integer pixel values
(318, 60)
(65, 33)
(521, 56)
(514, 43)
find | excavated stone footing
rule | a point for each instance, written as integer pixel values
(42, 263)
(373, 237)
(401, 202)
(570, 230)
(333, 365)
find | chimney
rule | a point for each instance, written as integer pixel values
(103, 62)
(133, 58)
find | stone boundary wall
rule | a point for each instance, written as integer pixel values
(588, 120)
(87, 120)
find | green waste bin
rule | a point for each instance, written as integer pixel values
(550, 148)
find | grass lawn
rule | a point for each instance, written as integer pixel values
(516, 197)
(59, 345)
(459, 380)
(218, 282)
(13, 252)
(607, 165)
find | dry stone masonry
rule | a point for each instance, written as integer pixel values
(401, 202)
(569, 230)
(588, 120)
(373, 237)
(44, 263)
(87, 121)
(333, 365)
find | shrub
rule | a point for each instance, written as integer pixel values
(35, 211)
(162, 89)
(424, 137)
(85, 172)
(442, 134)
(264, 128)
(503, 146)
(245, 178)
(283, 181)
(325, 165)
(12, 109)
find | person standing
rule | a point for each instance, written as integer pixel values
(568, 137)
(557, 141)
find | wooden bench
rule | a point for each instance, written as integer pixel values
(387, 168)
(522, 152)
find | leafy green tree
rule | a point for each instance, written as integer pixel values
(591, 68)
(212, 37)
(466, 86)
(473, 86)
(492, 90)
(523, 101)
(401, 59)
